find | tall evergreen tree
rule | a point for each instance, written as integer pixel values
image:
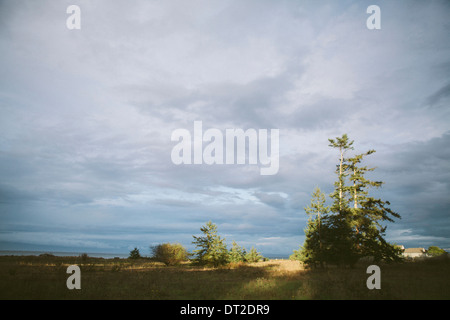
(344, 145)
(368, 213)
(352, 228)
(338, 240)
(357, 175)
(337, 236)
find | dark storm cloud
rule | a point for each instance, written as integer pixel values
(420, 172)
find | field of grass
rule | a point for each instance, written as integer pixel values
(44, 277)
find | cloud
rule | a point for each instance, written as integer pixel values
(439, 95)
(276, 200)
(87, 116)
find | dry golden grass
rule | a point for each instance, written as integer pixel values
(45, 278)
(280, 265)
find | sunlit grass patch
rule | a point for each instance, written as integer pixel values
(45, 278)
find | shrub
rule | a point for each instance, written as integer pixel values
(435, 251)
(84, 257)
(169, 253)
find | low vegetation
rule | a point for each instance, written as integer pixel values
(211, 250)
(169, 253)
(44, 277)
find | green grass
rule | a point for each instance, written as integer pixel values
(34, 277)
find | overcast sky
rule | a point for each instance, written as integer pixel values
(87, 117)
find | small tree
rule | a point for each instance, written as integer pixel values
(212, 248)
(134, 254)
(253, 256)
(312, 249)
(169, 253)
(237, 253)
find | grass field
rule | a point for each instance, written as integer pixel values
(44, 277)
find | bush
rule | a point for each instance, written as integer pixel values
(169, 253)
(435, 251)
(84, 257)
